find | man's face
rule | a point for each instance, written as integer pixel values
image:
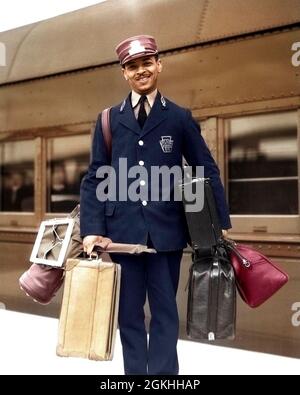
(142, 74)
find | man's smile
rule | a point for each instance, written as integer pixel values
(143, 78)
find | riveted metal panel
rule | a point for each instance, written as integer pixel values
(87, 37)
(244, 71)
(230, 18)
(12, 40)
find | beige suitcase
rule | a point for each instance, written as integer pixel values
(89, 313)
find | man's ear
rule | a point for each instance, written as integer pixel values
(160, 66)
(124, 73)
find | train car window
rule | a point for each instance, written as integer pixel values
(263, 164)
(68, 159)
(17, 176)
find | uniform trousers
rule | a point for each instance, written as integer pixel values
(157, 276)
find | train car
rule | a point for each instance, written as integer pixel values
(234, 63)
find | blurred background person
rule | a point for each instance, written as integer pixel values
(17, 195)
(63, 198)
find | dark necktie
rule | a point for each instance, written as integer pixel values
(142, 115)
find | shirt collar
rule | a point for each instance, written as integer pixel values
(135, 97)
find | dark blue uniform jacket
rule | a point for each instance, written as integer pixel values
(164, 221)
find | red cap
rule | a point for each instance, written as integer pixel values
(136, 47)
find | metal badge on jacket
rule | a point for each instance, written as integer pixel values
(166, 144)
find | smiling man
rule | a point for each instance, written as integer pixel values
(142, 74)
(149, 131)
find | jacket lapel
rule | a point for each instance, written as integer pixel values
(156, 116)
(127, 117)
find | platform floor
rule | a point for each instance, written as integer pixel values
(28, 343)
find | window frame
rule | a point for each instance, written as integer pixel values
(46, 214)
(13, 219)
(254, 224)
(29, 221)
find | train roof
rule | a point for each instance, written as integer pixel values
(87, 37)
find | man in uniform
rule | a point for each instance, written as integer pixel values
(148, 130)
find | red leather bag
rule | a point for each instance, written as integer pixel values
(41, 282)
(257, 278)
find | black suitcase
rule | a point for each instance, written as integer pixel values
(204, 226)
(211, 311)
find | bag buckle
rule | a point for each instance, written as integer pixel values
(62, 242)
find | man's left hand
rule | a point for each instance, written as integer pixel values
(225, 232)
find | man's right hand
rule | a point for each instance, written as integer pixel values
(90, 241)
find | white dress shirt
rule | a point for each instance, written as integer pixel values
(135, 97)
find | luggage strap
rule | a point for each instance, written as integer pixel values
(106, 130)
